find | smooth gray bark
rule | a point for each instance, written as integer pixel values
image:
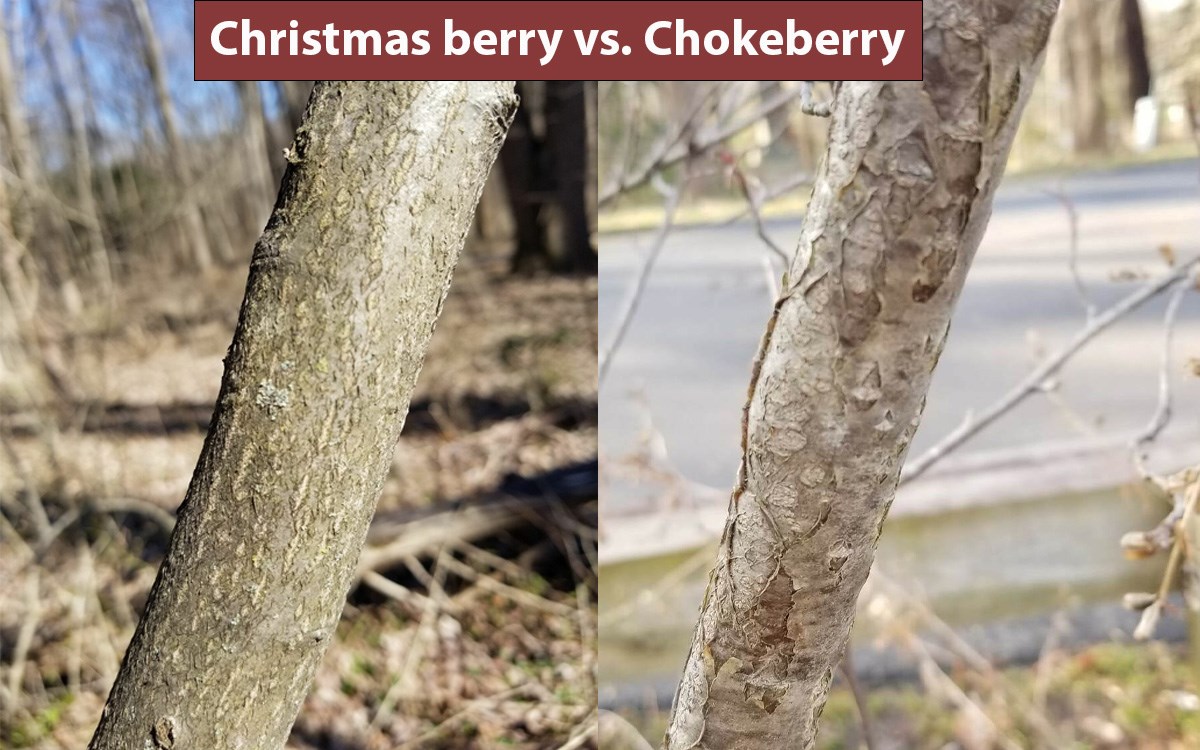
(899, 207)
(345, 287)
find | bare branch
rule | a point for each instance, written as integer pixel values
(808, 106)
(1152, 613)
(675, 149)
(1034, 382)
(630, 304)
(1089, 307)
(770, 194)
(751, 190)
(1162, 413)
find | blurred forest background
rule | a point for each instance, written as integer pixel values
(1029, 540)
(130, 200)
(1105, 57)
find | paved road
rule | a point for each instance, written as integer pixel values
(685, 362)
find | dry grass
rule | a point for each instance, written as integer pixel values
(467, 649)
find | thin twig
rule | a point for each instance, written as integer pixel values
(769, 194)
(582, 733)
(1151, 614)
(1162, 413)
(630, 304)
(412, 658)
(860, 700)
(677, 151)
(1089, 307)
(753, 202)
(393, 590)
(470, 708)
(810, 107)
(1034, 381)
(519, 596)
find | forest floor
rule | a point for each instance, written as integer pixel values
(478, 647)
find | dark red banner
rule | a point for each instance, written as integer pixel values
(386, 40)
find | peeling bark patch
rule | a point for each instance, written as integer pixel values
(838, 557)
(766, 697)
(868, 391)
(923, 291)
(163, 733)
(822, 517)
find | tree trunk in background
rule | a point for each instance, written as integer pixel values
(345, 286)
(567, 139)
(109, 198)
(524, 184)
(293, 95)
(591, 186)
(546, 164)
(29, 195)
(63, 67)
(1084, 60)
(20, 146)
(189, 208)
(493, 220)
(898, 210)
(1137, 63)
(258, 150)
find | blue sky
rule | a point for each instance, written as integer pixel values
(116, 73)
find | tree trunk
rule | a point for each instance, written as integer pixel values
(522, 166)
(345, 286)
(18, 143)
(294, 95)
(1084, 61)
(257, 148)
(1137, 62)
(567, 140)
(546, 166)
(898, 210)
(62, 69)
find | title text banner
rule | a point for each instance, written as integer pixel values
(597, 40)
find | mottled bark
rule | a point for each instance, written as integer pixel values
(345, 286)
(898, 210)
